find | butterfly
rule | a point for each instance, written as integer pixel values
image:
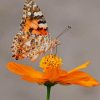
(34, 38)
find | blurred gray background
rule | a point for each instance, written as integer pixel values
(82, 43)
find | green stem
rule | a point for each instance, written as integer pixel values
(48, 92)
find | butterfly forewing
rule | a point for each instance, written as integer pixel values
(33, 20)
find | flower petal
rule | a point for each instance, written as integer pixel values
(27, 72)
(79, 78)
(80, 67)
(21, 69)
(34, 80)
(53, 74)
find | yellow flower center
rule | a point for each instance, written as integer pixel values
(50, 61)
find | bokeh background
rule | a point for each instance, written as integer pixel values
(80, 44)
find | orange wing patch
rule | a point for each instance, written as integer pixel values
(30, 25)
(33, 27)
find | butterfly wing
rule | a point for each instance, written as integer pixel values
(33, 38)
(33, 20)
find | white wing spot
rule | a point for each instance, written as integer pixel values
(29, 13)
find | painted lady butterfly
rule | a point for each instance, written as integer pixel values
(33, 38)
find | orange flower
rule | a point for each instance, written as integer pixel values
(53, 74)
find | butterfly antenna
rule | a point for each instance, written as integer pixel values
(66, 29)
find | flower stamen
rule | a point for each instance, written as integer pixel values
(50, 61)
